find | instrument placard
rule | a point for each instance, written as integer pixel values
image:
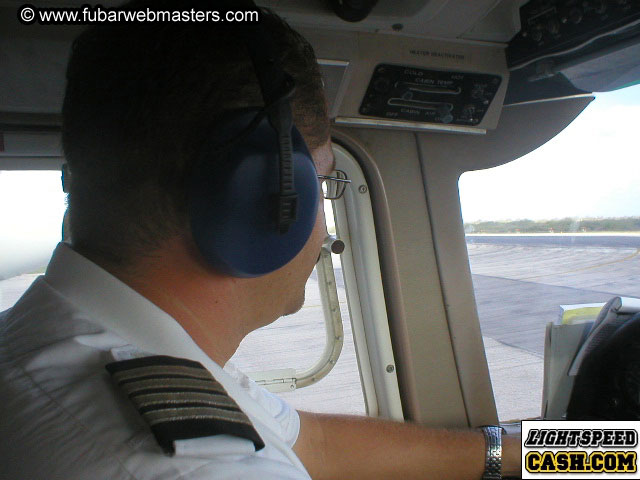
(429, 96)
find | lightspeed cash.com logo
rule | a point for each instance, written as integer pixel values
(580, 449)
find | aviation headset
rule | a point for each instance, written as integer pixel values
(253, 190)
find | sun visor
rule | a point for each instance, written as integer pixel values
(33, 74)
(612, 71)
(32, 82)
(564, 46)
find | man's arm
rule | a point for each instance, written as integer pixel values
(341, 446)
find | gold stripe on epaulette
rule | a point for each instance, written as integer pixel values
(180, 400)
(168, 370)
(166, 383)
(195, 413)
(177, 398)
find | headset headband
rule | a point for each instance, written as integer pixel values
(277, 88)
(247, 219)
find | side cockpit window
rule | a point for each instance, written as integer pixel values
(335, 354)
(32, 207)
(556, 228)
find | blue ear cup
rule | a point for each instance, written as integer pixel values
(231, 199)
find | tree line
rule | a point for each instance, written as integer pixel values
(562, 225)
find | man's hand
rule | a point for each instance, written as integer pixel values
(341, 446)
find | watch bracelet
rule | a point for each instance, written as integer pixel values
(493, 452)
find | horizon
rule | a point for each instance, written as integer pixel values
(542, 220)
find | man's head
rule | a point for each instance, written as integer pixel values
(141, 99)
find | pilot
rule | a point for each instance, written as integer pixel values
(196, 217)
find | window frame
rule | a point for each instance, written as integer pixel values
(363, 284)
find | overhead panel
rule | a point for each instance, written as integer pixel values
(569, 47)
(412, 83)
(553, 28)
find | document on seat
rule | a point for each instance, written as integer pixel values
(577, 330)
(560, 346)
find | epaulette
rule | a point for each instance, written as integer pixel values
(180, 399)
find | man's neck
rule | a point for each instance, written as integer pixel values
(217, 311)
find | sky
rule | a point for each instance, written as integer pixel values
(590, 169)
(32, 206)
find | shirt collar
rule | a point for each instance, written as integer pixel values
(115, 306)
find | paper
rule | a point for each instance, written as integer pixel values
(579, 328)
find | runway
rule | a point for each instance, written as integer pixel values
(560, 240)
(520, 281)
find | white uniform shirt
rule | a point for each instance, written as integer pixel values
(62, 416)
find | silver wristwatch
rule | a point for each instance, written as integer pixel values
(493, 455)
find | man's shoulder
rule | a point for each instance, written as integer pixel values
(64, 416)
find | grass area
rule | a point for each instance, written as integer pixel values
(562, 225)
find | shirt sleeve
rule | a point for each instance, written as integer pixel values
(286, 416)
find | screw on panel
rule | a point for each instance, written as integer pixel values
(363, 189)
(390, 368)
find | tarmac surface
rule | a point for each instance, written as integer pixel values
(560, 240)
(520, 282)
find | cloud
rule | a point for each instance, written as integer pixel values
(589, 169)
